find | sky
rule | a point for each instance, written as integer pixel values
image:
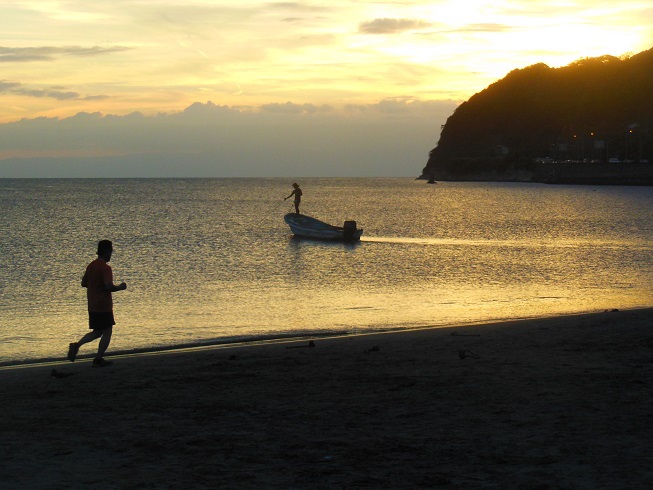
(243, 88)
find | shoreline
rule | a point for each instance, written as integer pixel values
(558, 402)
(275, 339)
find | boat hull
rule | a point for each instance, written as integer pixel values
(309, 227)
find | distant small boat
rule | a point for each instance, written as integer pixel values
(306, 226)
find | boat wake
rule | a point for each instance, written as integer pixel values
(455, 242)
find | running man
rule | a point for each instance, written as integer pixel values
(98, 281)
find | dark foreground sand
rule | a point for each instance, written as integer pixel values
(555, 403)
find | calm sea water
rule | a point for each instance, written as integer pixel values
(212, 259)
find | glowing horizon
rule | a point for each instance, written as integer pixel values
(62, 58)
(265, 88)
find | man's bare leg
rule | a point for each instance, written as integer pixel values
(104, 342)
(73, 348)
(89, 337)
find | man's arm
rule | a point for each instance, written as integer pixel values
(110, 286)
(108, 282)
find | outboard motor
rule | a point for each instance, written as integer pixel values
(349, 231)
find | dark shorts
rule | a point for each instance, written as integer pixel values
(100, 321)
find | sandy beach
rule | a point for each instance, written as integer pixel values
(550, 403)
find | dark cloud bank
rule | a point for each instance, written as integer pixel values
(391, 138)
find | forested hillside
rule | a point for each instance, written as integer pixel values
(590, 111)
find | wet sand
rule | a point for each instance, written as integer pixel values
(551, 403)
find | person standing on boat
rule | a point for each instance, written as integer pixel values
(297, 192)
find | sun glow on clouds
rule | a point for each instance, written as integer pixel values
(162, 56)
(333, 88)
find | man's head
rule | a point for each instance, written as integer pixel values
(104, 249)
(295, 185)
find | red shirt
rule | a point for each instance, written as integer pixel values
(97, 278)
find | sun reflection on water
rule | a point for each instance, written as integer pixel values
(212, 259)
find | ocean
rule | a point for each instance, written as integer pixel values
(211, 260)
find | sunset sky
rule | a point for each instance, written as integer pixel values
(307, 60)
